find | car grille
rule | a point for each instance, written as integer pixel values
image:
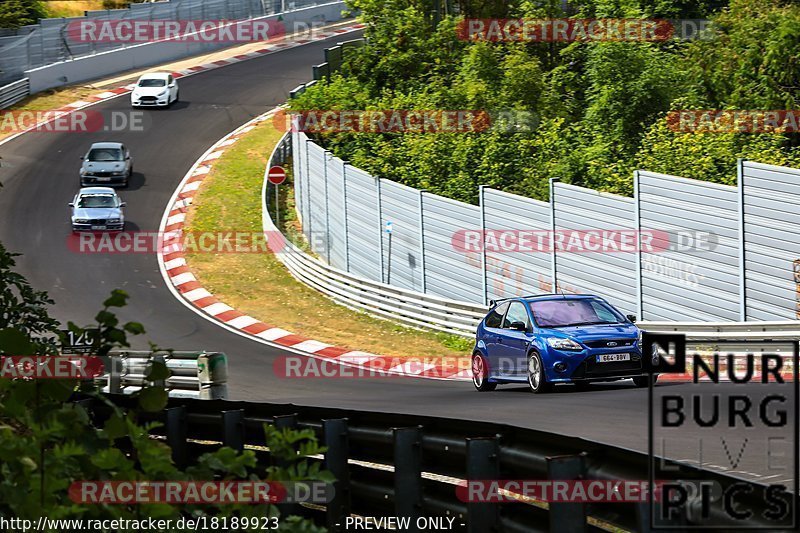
(97, 221)
(590, 368)
(603, 343)
(148, 99)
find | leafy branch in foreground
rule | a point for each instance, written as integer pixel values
(47, 442)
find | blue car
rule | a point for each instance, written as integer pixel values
(555, 338)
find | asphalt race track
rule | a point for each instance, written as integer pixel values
(40, 176)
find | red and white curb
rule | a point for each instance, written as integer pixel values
(278, 45)
(185, 286)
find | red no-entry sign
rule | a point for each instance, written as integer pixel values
(276, 175)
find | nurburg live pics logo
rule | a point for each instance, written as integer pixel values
(735, 421)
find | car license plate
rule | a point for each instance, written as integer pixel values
(611, 357)
(98, 227)
(103, 179)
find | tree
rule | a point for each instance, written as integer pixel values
(16, 13)
(47, 442)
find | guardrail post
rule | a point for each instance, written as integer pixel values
(159, 358)
(422, 240)
(483, 464)
(346, 225)
(176, 434)
(742, 263)
(325, 157)
(380, 226)
(484, 278)
(553, 268)
(233, 429)
(638, 217)
(407, 471)
(115, 368)
(212, 375)
(307, 193)
(336, 441)
(566, 516)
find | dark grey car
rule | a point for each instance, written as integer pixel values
(106, 163)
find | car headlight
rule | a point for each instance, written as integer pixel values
(80, 221)
(640, 338)
(564, 344)
(88, 173)
(163, 93)
(114, 220)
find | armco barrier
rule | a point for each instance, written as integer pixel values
(402, 465)
(14, 92)
(198, 375)
(418, 309)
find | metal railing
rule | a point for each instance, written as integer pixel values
(14, 92)
(197, 375)
(457, 317)
(402, 465)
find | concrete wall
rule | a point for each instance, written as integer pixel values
(148, 54)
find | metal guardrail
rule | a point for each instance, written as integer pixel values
(451, 316)
(402, 305)
(14, 92)
(197, 375)
(402, 465)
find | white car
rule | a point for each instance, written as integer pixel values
(97, 208)
(157, 89)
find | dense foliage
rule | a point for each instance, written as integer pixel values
(16, 13)
(48, 442)
(600, 107)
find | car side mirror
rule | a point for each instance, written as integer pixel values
(632, 318)
(71, 204)
(127, 157)
(123, 204)
(520, 326)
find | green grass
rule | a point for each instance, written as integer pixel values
(258, 284)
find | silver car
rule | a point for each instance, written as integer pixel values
(106, 164)
(97, 209)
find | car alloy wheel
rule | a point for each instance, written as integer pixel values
(480, 373)
(536, 379)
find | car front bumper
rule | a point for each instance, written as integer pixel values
(147, 102)
(585, 367)
(98, 227)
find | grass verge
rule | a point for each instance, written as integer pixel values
(257, 284)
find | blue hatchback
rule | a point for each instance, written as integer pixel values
(556, 338)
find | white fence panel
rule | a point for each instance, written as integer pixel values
(518, 272)
(400, 206)
(692, 272)
(610, 274)
(771, 204)
(448, 271)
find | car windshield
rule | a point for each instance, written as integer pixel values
(566, 312)
(105, 154)
(97, 200)
(152, 82)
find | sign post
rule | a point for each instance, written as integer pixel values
(276, 175)
(389, 253)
